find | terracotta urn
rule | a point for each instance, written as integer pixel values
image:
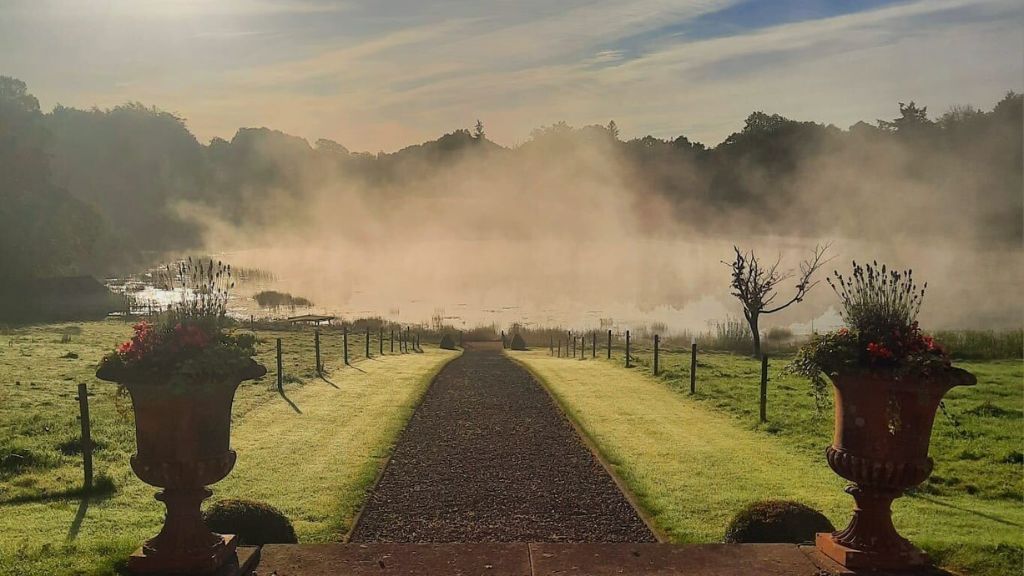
(883, 426)
(183, 444)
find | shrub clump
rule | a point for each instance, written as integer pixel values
(255, 523)
(447, 342)
(776, 521)
(274, 299)
(517, 342)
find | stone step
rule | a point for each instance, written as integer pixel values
(521, 559)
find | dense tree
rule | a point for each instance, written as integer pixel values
(44, 230)
(613, 129)
(108, 185)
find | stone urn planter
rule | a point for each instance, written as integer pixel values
(183, 437)
(883, 427)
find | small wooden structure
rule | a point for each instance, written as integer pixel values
(313, 319)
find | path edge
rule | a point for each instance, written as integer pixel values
(595, 449)
(426, 382)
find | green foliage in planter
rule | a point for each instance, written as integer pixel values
(777, 521)
(191, 342)
(255, 523)
(880, 308)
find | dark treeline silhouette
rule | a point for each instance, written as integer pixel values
(95, 191)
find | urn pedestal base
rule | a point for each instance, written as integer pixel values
(218, 556)
(908, 558)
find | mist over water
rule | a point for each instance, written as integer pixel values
(573, 236)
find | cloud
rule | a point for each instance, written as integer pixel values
(376, 80)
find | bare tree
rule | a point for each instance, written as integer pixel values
(754, 284)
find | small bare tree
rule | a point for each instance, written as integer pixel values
(755, 285)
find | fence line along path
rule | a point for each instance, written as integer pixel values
(488, 457)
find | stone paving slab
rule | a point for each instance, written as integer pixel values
(548, 559)
(670, 560)
(490, 559)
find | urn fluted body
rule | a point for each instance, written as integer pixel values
(183, 444)
(883, 428)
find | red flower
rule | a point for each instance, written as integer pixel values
(879, 351)
(190, 336)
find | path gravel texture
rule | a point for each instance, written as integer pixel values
(488, 457)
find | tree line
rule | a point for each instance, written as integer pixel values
(100, 190)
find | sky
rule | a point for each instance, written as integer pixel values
(381, 75)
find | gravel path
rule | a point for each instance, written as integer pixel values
(488, 457)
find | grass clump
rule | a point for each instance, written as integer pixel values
(982, 344)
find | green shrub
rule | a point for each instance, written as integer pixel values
(517, 342)
(255, 523)
(777, 521)
(447, 342)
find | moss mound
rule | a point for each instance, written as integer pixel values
(777, 521)
(447, 342)
(255, 523)
(517, 342)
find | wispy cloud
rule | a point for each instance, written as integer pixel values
(382, 75)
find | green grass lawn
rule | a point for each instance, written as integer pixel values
(693, 462)
(312, 456)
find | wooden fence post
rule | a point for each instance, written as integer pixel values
(559, 348)
(551, 343)
(593, 344)
(392, 339)
(280, 371)
(344, 341)
(573, 346)
(583, 346)
(609, 344)
(764, 388)
(627, 350)
(83, 408)
(316, 344)
(367, 341)
(657, 340)
(418, 349)
(693, 367)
